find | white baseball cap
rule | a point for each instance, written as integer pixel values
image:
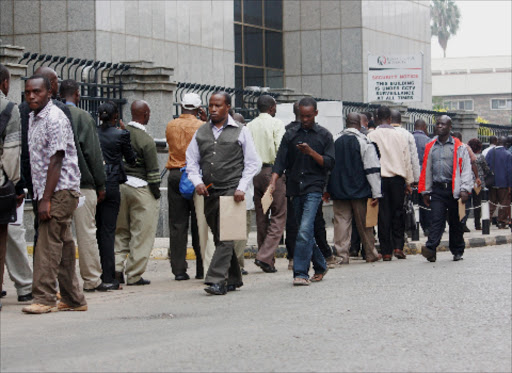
(191, 101)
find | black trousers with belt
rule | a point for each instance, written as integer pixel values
(391, 215)
(292, 229)
(106, 221)
(181, 210)
(442, 201)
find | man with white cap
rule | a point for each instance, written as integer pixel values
(179, 133)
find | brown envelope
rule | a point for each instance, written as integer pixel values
(266, 200)
(232, 219)
(372, 214)
(462, 209)
(477, 189)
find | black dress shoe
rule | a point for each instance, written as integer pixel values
(103, 287)
(216, 289)
(120, 277)
(233, 287)
(265, 267)
(141, 282)
(244, 272)
(428, 254)
(3, 294)
(457, 257)
(182, 277)
(25, 298)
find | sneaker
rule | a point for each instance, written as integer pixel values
(36, 308)
(290, 265)
(331, 262)
(299, 281)
(64, 307)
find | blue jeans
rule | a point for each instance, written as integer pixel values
(305, 208)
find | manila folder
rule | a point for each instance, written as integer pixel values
(462, 209)
(372, 214)
(232, 216)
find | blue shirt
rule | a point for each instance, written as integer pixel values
(421, 142)
(442, 161)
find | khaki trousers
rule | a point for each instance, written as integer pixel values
(500, 196)
(55, 258)
(88, 252)
(345, 213)
(135, 231)
(205, 235)
(271, 225)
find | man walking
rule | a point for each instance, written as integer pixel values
(267, 133)
(493, 141)
(397, 177)
(306, 154)
(179, 133)
(396, 120)
(500, 162)
(354, 178)
(92, 187)
(446, 176)
(421, 138)
(221, 161)
(138, 212)
(10, 150)
(56, 185)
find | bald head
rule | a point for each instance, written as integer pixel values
(420, 125)
(140, 111)
(502, 141)
(354, 121)
(51, 75)
(396, 117)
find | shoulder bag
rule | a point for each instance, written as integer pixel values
(7, 191)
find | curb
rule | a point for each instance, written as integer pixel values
(410, 248)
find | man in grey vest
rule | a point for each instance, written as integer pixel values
(221, 161)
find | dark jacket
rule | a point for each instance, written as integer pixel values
(91, 167)
(500, 162)
(115, 144)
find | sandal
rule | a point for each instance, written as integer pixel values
(319, 276)
(299, 281)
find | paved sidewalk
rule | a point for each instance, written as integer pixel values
(473, 239)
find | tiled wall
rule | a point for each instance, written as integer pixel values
(326, 43)
(194, 37)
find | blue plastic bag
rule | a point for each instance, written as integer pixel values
(186, 187)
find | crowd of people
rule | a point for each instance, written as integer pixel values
(106, 180)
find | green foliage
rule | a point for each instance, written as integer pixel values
(481, 120)
(445, 16)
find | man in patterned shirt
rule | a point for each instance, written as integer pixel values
(56, 186)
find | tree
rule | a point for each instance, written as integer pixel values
(445, 16)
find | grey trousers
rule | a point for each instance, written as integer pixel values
(16, 260)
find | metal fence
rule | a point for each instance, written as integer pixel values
(244, 100)
(487, 130)
(99, 81)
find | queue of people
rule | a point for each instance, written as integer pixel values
(106, 180)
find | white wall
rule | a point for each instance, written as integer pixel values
(330, 115)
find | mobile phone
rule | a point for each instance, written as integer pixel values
(300, 142)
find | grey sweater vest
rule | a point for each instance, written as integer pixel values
(222, 160)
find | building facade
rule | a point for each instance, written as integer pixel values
(478, 84)
(314, 47)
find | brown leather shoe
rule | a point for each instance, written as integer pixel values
(64, 307)
(376, 259)
(36, 308)
(387, 258)
(399, 254)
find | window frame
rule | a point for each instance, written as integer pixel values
(501, 99)
(457, 103)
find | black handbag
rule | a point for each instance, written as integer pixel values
(7, 191)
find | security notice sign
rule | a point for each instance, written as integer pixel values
(395, 78)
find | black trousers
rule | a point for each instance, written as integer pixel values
(224, 265)
(292, 230)
(106, 221)
(424, 216)
(391, 215)
(181, 211)
(441, 201)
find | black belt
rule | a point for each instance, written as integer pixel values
(267, 165)
(443, 185)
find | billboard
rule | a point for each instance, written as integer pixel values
(395, 78)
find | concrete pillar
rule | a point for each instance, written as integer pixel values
(9, 57)
(465, 122)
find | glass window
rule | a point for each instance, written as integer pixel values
(468, 105)
(275, 79)
(253, 45)
(237, 5)
(501, 104)
(274, 49)
(254, 77)
(239, 78)
(238, 41)
(274, 14)
(253, 12)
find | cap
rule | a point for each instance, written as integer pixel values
(191, 101)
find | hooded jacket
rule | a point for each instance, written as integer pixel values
(462, 174)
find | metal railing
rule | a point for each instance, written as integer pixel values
(429, 116)
(487, 130)
(99, 81)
